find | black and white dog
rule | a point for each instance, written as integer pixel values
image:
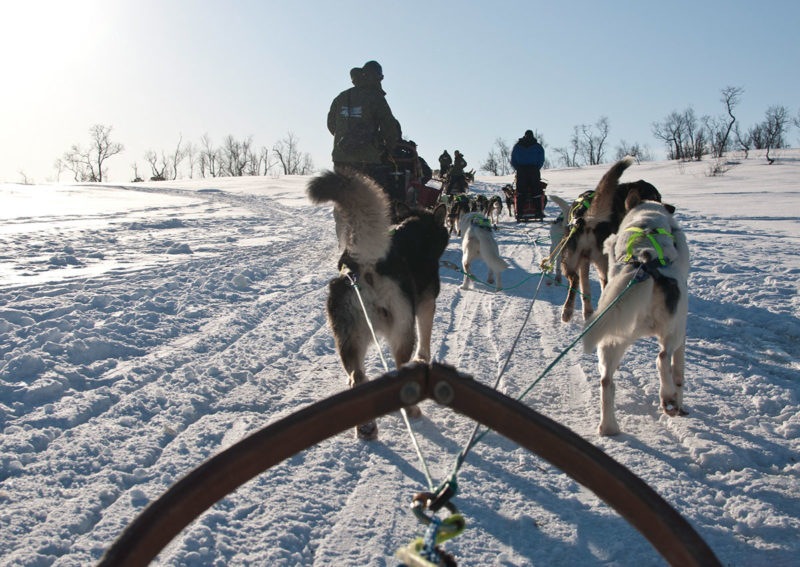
(650, 245)
(595, 215)
(510, 194)
(495, 209)
(397, 270)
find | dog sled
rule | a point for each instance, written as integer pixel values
(530, 207)
(164, 518)
(410, 175)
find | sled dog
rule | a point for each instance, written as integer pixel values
(397, 270)
(558, 228)
(477, 241)
(458, 205)
(649, 244)
(495, 209)
(595, 215)
(509, 192)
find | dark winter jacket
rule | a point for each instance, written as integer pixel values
(527, 151)
(459, 165)
(362, 124)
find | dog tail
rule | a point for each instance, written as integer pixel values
(603, 202)
(363, 211)
(620, 320)
(562, 204)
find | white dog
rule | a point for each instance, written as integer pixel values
(558, 228)
(478, 242)
(648, 245)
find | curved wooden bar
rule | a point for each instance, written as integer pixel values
(184, 501)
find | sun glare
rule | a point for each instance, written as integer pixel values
(39, 36)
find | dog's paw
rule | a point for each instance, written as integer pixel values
(566, 315)
(610, 428)
(671, 408)
(367, 431)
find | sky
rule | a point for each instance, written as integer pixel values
(458, 75)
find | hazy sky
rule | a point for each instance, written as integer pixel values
(459, 74)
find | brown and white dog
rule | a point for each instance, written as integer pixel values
(508, 191)
(397, 269)
(650, 249)
(595, 215)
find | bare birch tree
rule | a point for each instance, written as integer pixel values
(89, 165)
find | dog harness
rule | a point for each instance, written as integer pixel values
(579, 208)
(639, 233)
(482, 222)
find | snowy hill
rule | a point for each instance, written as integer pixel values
(145, 328)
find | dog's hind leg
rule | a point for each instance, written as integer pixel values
(569, 303)
(609, 356)
(425, 313)
(670, 371)
(401, 343)
(352, 354)
(586, 291)
(677, 376)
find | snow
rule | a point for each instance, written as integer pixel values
(145, 328)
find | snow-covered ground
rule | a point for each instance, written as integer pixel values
(145, 328)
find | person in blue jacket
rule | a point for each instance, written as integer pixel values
(527, 159)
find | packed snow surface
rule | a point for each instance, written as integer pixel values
(145, 328)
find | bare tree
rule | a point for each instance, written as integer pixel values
(190, 155)
(671, 133)
(209, 158)
(492, 163)
(88, 165)
(504, 155)
(235, 156)
(498, 160)
(639, 152)
(177, 157)
(290, 158)
(158, 168)
(136, 177)
(569, 155)
(775, 125)
(592, 141)
(743, 141)
(730, 98)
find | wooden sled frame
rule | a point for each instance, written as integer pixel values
(669, 533)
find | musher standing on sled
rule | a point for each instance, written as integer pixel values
(527, 158)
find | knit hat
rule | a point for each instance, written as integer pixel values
(357, 76)
(373, 69)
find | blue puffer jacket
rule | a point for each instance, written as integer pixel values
(527, 152)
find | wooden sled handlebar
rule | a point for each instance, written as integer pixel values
(668, 532)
